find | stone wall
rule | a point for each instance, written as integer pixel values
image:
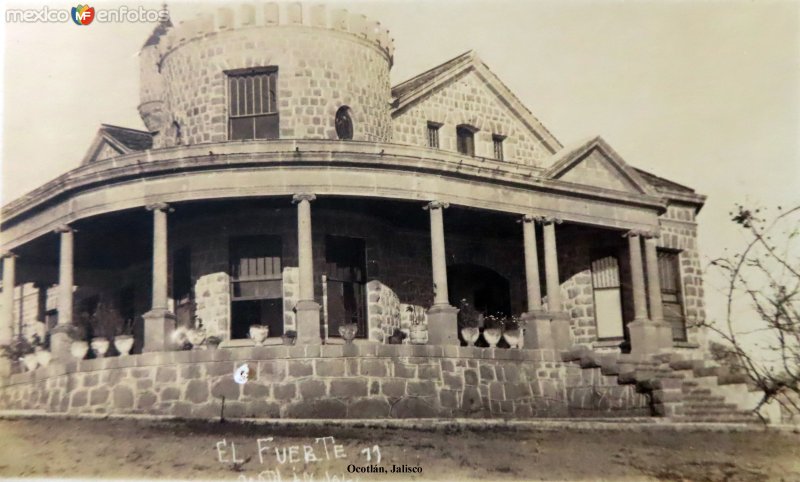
(324, 62)
(356, 381)
(468, 100)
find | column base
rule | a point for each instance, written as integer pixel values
(60, 343)
(443, 325)
(158, 328)
(308, 327)
(538, 331)
(562, 331)
(648, 337)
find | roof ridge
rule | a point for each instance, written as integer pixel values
(131, 129)
(429, 72)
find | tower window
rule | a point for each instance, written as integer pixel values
(466, 140)
(344, 123)
(433, 134)
(253, 104)
(497, 140)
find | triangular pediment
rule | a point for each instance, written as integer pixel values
(111, 141)
(459, 73)
(594, 163)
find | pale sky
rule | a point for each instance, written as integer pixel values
(706, 93)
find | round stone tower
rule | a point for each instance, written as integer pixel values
(320, 65)
(151, 83)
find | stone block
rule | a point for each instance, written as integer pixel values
(372, 367)
(348, 388)
(255, 390)
(284, 391)
(453, 380)
(272, 371)
(470, 377)
(395, 388)
(98, 396)
(326, 408)
(487, 373)
(191, 371)
(300, 368)
(166, 374)
(369, 408)
(421, 388)
(170, 393)
(312, 389)
(413, 407)
(226, 387)
(78, 399)
(330, 367)
(263, 409)
(90, 379)
(146, 400)
(123, 397)
(429, 371)
(404, 370)
(197, 391)
(471, 399)
(220, 368)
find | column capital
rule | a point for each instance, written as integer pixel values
(548, 219)
(635, 233)
(164, 207)
(527, 218)
(64, 228)
(8, 254)
(436, 205)
(303, 196)
(651, 235)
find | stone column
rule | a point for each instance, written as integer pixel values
(308, 327)
(560, 324)
(7, 315)
(159, 322)
(60, 335)
(442, 317)
(663, 329)
(538, 334)
(646, 336)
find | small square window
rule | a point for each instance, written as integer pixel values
(497, 140)
(433, 134)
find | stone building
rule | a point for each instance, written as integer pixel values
(282, 181)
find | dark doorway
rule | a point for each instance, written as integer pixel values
(346, 268)
(486, 290)
(256, 284)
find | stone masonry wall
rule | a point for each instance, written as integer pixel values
(319, 70)
(467, 100)
(351, 381)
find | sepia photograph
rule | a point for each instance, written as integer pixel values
(385, 240)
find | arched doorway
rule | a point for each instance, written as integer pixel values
(485, 289)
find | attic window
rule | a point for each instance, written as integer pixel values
(433, 134)
(466, 139)
(497, 141)
(253, 104)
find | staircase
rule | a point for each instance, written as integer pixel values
(681, 389)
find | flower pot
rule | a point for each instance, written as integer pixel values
(196, 337)
(288, 340)
(213, 342)
(259, 333)
(100, 346)
(348, 332)
(78, 349)
(418, 335)
(470, 335)
(492, 336)
(30, 361)
(43, 357)
(124, 344)
(512, 337)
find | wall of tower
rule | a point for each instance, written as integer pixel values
(325, 60)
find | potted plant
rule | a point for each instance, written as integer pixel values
(289, 337)
(468, 319)
(512, 331)
(105, 322)
(197, 335)
(417, 333)
(493, 329)
(397, 337)
(79, 347)
(43, 356)
(259, 333)
(123, 340)
(213, 342)
(21, 351)
(348, 332)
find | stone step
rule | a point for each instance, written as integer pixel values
(732, 379)
(700, 398)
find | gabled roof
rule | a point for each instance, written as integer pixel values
(122, 140)
(419, 87)
(594, 162)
